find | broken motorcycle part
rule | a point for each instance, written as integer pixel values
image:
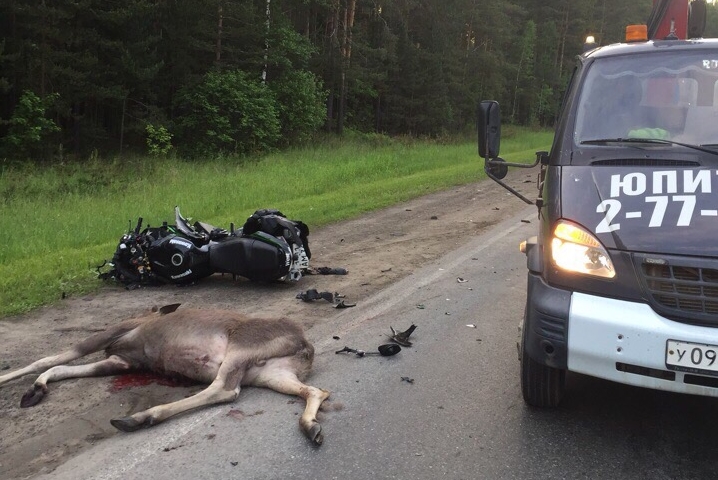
(342, 304)
(402, 338)
(312, 294)
(386, 350)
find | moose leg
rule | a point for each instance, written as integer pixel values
(42, 365)
(108, 366)
(224, 388)
(93, 343)
(282, 378)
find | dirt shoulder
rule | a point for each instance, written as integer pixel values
(377, 249)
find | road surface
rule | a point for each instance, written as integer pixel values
(462, 417)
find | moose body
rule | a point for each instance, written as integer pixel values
(224, 349)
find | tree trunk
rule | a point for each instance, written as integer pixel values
(122, 123)
(333, 51)
(266, 42)
(218, 49)
(564, 34)
(346, 51)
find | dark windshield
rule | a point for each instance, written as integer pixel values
(667, 96)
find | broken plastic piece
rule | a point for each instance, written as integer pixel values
(402, 338)
(342, 304)
(313, 294)
(407, 379)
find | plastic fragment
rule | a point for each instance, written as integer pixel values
(402, 338)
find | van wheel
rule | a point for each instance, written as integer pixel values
(541, 385)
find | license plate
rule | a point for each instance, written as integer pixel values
(692, 357)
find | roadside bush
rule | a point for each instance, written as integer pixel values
(300, 104)
(159, 140)
(29, 127)
(228, 112)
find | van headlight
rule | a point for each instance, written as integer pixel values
(574, 249)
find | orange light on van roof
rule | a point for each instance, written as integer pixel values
(636, 33)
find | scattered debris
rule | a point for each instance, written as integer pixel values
(327, 271)
(402, 338)
(336, 337)
(525, 221)
(407, 379)
(234, 464)
(420, 306)
(434, 217)
(471, 325)
(387, 270)
(447, 313)
(313, 294)
(341, 304)
(461, 280)
(386, 350)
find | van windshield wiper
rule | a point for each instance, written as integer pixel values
(653, 141)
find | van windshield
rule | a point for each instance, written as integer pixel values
(671, 96)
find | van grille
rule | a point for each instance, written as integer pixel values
(685, 293)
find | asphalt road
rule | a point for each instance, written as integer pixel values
(461, 418)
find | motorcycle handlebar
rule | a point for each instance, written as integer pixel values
(139, 225)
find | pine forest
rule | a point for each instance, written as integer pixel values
(241, 77)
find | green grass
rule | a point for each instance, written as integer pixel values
(59, 222)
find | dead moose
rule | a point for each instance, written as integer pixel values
(222, 348)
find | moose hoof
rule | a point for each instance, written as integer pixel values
(33, 396)
(315, 434)
(129, 424)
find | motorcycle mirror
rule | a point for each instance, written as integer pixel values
(389, 349)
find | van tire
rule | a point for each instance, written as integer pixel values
(541, 385)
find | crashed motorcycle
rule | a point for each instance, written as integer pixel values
(268, 247)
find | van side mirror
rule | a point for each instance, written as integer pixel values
(488, 122)
(489, 129)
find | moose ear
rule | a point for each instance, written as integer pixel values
(169, 308)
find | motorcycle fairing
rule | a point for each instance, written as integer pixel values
(178, 259)
(256, 257)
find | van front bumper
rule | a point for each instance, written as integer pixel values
(626, 342)
(612, 339)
